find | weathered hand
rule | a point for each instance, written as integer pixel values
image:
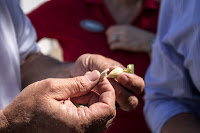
(48, 106)
(127, 37)
(129, 86)
(126, 88)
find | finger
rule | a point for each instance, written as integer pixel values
(97, 62)
(107, 95)
(110, 37)
(118, 37)
(106, 105)
(126, 99)
(62, 89)
(132, 82)
(107, 92)
(87, 99)
(116, 45)
(114, 28)
(102, 107)
(115, 37)
(113, 34)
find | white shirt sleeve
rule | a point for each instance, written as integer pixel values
(17, 41)
(25, 33)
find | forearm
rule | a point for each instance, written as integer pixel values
(182, 123)
(38, 67)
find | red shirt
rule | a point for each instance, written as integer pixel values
(61, 19)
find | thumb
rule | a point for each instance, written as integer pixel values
(74, 87)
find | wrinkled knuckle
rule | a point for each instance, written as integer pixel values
(50, 84)
(81, 84)
(84, 56)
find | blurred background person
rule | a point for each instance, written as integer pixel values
(119, 29)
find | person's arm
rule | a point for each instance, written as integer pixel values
(38, 67)
(168, 93)
(182, 123)
(172, 81)
(41, 67)
(48, 106)
(170, 105)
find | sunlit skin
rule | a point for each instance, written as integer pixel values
(48, 105)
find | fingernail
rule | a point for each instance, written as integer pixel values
(93, 76)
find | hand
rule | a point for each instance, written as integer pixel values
(130, 84)
(45, 106)
(127, 37)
